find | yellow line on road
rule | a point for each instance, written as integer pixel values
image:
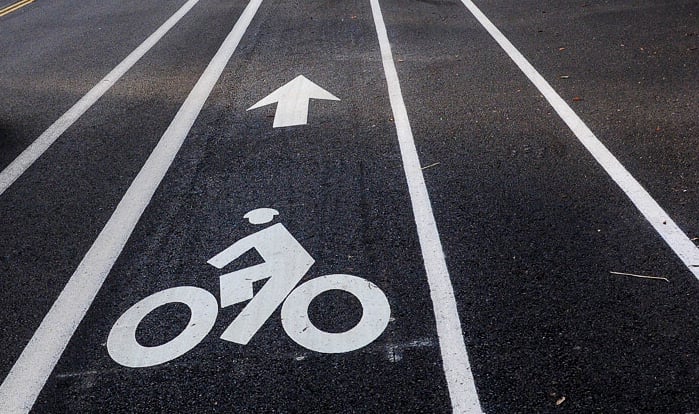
(14, 7)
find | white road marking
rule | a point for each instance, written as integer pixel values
(376, 313)
(29, 374)
(394, 352)
(32, 153)
(125, 349)
(678, 241)
(292, 101)
(462, 389)
(285, 262)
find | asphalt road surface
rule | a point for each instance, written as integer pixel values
(364, 206)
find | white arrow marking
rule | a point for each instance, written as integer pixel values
(292, 101)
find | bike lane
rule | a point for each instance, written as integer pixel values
(532, 228)
(339, 186)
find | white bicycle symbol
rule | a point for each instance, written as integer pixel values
(285, 264)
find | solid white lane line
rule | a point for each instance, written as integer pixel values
(32, 153)
(462, 389)
(678, 241)
(29, 374)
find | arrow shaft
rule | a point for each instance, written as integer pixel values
(291, 111)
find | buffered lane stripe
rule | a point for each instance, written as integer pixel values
(31, 371)
(678, 241)
(457, 369)
(32, 153)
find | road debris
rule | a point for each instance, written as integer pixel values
(431, 165)
(641, 276)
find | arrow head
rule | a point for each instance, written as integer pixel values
(292, 101)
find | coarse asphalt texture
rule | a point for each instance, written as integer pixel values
(544, 250)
